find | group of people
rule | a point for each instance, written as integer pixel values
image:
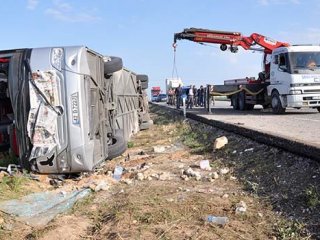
(195, 97)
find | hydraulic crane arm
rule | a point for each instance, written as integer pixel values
(233, 39)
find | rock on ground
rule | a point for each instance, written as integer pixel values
(220, 142)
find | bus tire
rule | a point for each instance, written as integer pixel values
(115, 64)
(118, 145)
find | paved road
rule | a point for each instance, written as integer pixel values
(300, 125)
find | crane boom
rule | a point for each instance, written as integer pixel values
(234, 39)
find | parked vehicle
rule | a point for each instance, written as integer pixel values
(60, 105)
(155, 91)
(154, 98)
(290, 76)
(171, 85)
(162, 97)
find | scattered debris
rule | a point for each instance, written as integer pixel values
(103, 185)
(117, 172)
(225, 195)
(232, 178)
(217, 220)
(214, 175)
(165, 176)
(140, 176)
(191, 173)
(185, 177)
(159, 149)
(205, 165)
(127, 181)
(249, 150)
(224, 171)
(220, 142)
(241, 207)
(38, 209)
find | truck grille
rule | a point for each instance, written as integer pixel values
(312, 91)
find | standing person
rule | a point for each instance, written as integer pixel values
(198, 96)
(178, 92)
(201, 96)
(195, 96)
(190, 97)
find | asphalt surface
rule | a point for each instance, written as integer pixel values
(302, 126)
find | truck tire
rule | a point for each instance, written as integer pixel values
(142, 77)
(235, 102)
(318, 108)
(249, 107)
(144, 85)
(276, 103)
(242, 101)
(115, 64)
(266, 106)
(118, 145)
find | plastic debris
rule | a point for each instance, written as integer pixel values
(217, 220)
(205, 165)
(249, 150)
(117, 172)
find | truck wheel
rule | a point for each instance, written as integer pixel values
(242, 101)
(113, 65)
(142, 77)
(266, 106)
(249, 107)
(144, 85)
(118, 145)
(318, 108)
(235, 102)
(276, 103)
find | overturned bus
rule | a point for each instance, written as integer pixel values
(59, 108)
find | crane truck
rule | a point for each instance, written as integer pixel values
(290, 76)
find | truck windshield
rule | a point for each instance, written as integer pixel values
(305, 62)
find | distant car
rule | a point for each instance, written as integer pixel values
(162, 97)
(154, 98)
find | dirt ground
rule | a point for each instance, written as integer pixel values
(264, 192)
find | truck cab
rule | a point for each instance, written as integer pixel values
(295, 78)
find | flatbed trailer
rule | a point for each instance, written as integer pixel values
(244, 93)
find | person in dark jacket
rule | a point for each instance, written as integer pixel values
(200, 96)
(178, 92)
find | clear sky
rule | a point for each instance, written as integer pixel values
(141, 31)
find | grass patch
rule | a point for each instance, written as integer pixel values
(83, 204)
(312, 197)
(12, 187)
(130, 144)
(293, 230)
(198, 141)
